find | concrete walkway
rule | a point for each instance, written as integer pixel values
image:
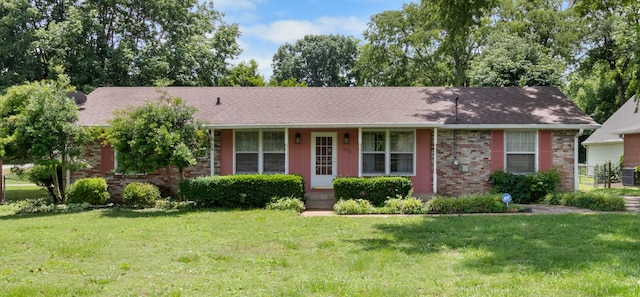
(632, 203)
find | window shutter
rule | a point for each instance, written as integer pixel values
(106, 159)
(545, 150)
(497, 150)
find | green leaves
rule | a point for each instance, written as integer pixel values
(156, 135)
(318, 61)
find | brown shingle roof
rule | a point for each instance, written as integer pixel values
(359, 106)
(624, 118)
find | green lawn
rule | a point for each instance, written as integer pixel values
(270, 253)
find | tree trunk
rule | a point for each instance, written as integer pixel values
(57, 199)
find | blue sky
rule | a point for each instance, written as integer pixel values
(267, 24)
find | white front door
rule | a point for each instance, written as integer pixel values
(323, 159)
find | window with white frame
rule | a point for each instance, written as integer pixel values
(388, 152)
(521, 151)
(260, 152)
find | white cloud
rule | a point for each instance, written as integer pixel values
(282, 31)
(236, 5)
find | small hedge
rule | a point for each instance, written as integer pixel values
(592, 200)
(374, 189)
(467, 204)
(241, 191)
(140, 195)
(354, 206)
(530, 188)
(91, 190)
(439, 205)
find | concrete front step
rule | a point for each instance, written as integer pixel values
(319, 201)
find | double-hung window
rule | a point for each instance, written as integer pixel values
(521, 151)
(388, 152)
(260, 152)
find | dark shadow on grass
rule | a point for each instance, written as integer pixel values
(541, 243)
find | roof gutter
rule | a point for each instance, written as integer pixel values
(521, 126)
(329, 125)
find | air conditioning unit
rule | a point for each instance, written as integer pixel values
(627, 176)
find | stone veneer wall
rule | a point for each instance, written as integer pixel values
(117, 182)
(471, 175)
(474, 162)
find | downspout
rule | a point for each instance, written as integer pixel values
(212, 152)
(435, 161)
(575, 159)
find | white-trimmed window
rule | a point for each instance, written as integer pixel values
(521, 152)
(388, 152)
(260, 152)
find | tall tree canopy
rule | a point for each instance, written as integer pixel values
(114, 42)
(430, 43)
(612, 56)
(318, 61)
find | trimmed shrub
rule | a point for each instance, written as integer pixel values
(140, 195)
(592, 200)
(286, 203)
(467, 204)
(374, 189)
(91, 190)
(528, 188)
(408, 205)
(353, 206)
(241, 191)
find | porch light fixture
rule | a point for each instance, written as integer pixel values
(298, 138)
(346, 138)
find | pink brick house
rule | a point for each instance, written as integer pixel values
(447, 140)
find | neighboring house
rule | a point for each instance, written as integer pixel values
(604, 144)
(631, 138)
(447, 140)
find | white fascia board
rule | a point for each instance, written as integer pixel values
(585, 143)
(331, 125)
(521, 126)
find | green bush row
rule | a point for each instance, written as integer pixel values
(241, 191)
(374, 189)
(467, 204)
(591, 200)
(412, 205)
(530, 188)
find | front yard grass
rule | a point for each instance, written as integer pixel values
(113, 252)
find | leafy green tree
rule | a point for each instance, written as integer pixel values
(318, 61)
(39, 125)
(430, 43)
(612, 46)
(402, 50)
(158, 134)
(289, 83)
(115, 42)
(244, 75)
(509, 60)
